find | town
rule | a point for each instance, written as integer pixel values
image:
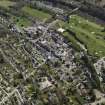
(52, 52)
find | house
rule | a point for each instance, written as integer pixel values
(61, 30)
(45, 83)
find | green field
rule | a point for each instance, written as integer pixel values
(36, 13)
(21, 21)
(6, 3)
(89, 33)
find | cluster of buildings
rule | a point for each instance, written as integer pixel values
(100, 69)
(38, 62)
(25, 53)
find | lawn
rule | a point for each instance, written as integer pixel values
(6, 3)
(36, 13)
(88, 33)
